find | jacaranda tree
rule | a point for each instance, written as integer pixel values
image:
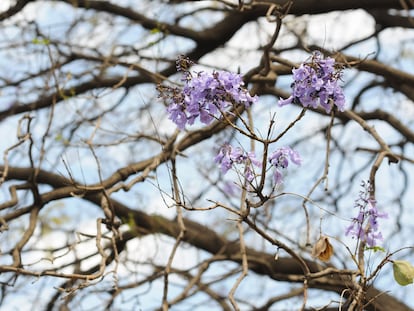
(207, 155)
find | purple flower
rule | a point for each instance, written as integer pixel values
(224, 158)
(252, 158)
(287, 101)
(229, 156)
(204, 96)
(280, 160)
(316, 83)
(176, 112)
(365, 226)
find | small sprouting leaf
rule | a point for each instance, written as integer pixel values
(155, 30)
(41, 41)
(322, 249)
(376, 248)
(403, 272)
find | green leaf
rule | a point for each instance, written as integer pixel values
(376, 249)
(58, 137)
(41, 41)
(403, 272)
(155, 30)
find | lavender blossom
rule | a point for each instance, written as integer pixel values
(229, 156)
(365, 226)
(280, 160)
(204, 96)
(316, 83)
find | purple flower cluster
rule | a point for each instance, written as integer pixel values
(204, 95)
(316, 83)
(280, 160)
(229, 155)
(365, 225)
